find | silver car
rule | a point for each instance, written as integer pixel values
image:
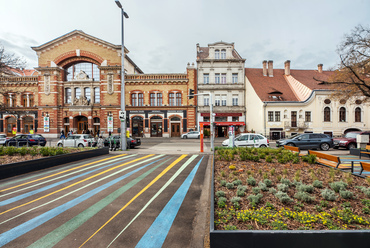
(76, 140)
(2, 139)
(191, 135)
(249, 139)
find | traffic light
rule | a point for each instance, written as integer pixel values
(191, 93)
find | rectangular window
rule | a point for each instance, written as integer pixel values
(223, 78)
(293, 116)
(77, 93)
(87, 93)
(235, 118)
(223, 54)
(68, 95)
(217, 102)
(97, 94)
(133, 99)
(178, 99)
(235, 100)
(152, 99)
(271, 116)
(172, 99)
(141, 99)
(217, 78)
(223, 100)
(206, 101)
(206, 78)
(159, 99)
(277, 115)
(235, 78)
(308, 116)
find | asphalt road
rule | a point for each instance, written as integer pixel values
(118, 200)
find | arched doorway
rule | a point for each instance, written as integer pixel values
(175, 127)
(137, 126)
(156, 126)
(27, 124)
(96, 125)
(11, 123)
(66, 125)
(81, 124)
(352, 130)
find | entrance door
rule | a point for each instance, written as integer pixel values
(82, 126)
(156, 129)
(10, 126)
(27, 124)
(137, 126)
(175, 129)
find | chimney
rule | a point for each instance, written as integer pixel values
(264, 68)
(319, 68)
(270, 68)
(198, 47)
(287, 67)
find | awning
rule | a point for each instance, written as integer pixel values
(225, 123)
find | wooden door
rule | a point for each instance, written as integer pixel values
(175, 129)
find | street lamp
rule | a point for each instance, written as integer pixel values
(123, 122)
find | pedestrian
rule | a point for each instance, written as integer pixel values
(98, 133)
(110, 133)
(62, 136)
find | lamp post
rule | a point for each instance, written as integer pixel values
(123, 122)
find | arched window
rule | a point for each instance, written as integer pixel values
(358, 114)
(223, 54)
(68, 95)
(217, 54)
(31, 100)
(326, 114)
(87, 93)
(342, 114)
(77, 92)
(96, 95)
(90, 69)
(174, 99)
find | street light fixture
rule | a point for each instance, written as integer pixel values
(123, 122)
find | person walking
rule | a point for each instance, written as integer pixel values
(62, 136)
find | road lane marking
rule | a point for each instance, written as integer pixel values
(137, 195)
(58, 173)
(158, 231)
(74, 184)
(39, 190)
(178, 172)
(19, 230)
(67, 228)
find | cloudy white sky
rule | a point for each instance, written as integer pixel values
(162, 34)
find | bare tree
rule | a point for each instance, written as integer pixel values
(352, 76)
(8, 61)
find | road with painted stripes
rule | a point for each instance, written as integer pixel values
(124, 200)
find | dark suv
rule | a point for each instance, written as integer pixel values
(308, 141)
(349, 141)
(26, 139)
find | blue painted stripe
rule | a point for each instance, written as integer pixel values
(25, 195)
(18, 231)
(158, 231)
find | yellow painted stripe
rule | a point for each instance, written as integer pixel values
(74, 184)
(137, 195)
(61, 172)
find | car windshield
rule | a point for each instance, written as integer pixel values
(293, 136)
(351, 135)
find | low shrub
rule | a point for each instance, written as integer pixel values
(254, 199)
(256, 190)
(221, 202)
(220, 193)
(223, 182)
(338, 186)
(268, 182)
(282, 187)
(283, 197)
(286, 181)
(304, 196)
(262, 186)
(328, 194)
(305, 188)
(237, 182)
(229, 185)
(317, 184)
(251, 181)
(346, 194)
(272, 190)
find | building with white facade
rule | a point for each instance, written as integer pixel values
(282, 102)
(221, 73)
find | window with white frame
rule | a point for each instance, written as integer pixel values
(223, 100)
(156, 99)
(134, 99)
(206, 101)
(277, 115)
(217, 78)
(68, 95)
(217, 100)
(223, 54)
(235, 78)
(270, 116)
(174, 99)
(206, 78)
(217, 54)
(223, 78)
(97, 95)
(140, 99)
(87, 93)
(235, 100)
(77, 92)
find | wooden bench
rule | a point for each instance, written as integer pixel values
(329, 160)
(294, 149)
(365, 166)
(365, 152)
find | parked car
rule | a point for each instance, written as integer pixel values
(249, 139)
(191, 135)
(131, 142)
(349, 140)
(26, 139)
(308, 141)
(3, 139)
(76, 140)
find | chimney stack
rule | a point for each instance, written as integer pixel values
(270, 68)
(264, 65)
(319, 67)
(198, 47)
(287, 67)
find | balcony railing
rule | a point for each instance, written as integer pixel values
(296, 125)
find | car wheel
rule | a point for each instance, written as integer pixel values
(263, 146)
(324, 146)
(80, 145)
(290, 144)
(185, 137)
(352, 146)
(198, 136)
(60, 145)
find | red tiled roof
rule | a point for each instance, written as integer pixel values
(23, 72)
(306, 77)
(203, 53)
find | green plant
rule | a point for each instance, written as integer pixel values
(221, 202)
(337, 186)
(229, 185)
(278, 178)
(237, 182)
(254, 199)
(346, 194)
(346, 205)
(256, 190)
(220, 193)
(282, 187)
(251, 181)
(317, 184)
(223, 174)
(223, 182)
(240, 193)
(269, 160)
(328, 194)
(242, 188)
(269, 206)
(235, 199)
(272, 190)
(262, 186)
(230, 227)
(304, 196)
(272, 171)
(10, 150)
(268, 182)
(286, 181)
(305, 188)
(283, 197)
(324, 204)
(285, 172)
(318, 208)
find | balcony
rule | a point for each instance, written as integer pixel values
(221, 87)
(295, 125)
(222, 109)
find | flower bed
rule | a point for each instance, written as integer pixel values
(274, 189)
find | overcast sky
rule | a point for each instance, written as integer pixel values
(162, 35)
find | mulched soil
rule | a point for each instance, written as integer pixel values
(17, 158)
(261, 170)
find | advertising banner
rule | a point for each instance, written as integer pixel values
(110, 124)
(46, 124)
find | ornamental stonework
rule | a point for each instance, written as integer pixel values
(110, 84)
(47, 84)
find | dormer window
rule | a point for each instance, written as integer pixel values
(217, 54)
